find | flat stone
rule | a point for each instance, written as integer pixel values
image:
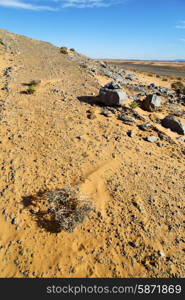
(126, 119)
(152, 139)
(105, 112)
(145, 127)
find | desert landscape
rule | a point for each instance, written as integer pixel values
(92, 164)
(159, 68)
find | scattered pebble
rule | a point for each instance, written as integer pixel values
(152, 139)
(131, 133)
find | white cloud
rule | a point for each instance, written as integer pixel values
(182, 40)
(181, 25)
(88, 3)
(22, 4)
(58, 4)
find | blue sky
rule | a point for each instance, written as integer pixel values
(138, 29)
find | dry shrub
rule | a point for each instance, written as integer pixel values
(64, 50)
(178, 87)
(68, 208)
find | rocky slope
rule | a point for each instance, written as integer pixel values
(59, 137)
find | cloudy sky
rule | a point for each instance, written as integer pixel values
(140, 29)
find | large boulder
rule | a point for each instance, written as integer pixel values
(151, 103)
(174, 124)
(112, 95)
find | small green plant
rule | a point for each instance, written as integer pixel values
(31, 89)
(31, 86)
(164, 79)
(1, 42)
(64, 50)
(134, 104)
(158, 76)
(72, 49)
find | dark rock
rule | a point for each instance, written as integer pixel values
(91, 116)
(151, 103)
(8, 71)
(131, 133)
(181, 138)
(112, 95)
(4, 212)
(131, 77)
(99, 214)
(134, 244)
(106, 112)
(107, 73)
(14, 221)
(113, 110)
(145, 127)
(118, 78)
(58, 91)
(111, 86)
(102, 64)
(126, 119)
(160, 145)
(153, 86)
(174, 124)
(92, 69)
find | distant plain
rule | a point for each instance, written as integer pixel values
(161, 68)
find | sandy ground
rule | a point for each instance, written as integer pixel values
(47, 142)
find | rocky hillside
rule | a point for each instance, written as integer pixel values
(92, 181)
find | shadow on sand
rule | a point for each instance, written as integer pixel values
(44, 218)
(92, 100)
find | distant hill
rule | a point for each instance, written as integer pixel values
(179, 60)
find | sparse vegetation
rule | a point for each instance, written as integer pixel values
(67, 208)
(72, 49)
(134, 104)
(178, 86)
(31, 89)
(1, 42)
(64, 50)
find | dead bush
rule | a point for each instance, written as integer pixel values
(68, 208)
